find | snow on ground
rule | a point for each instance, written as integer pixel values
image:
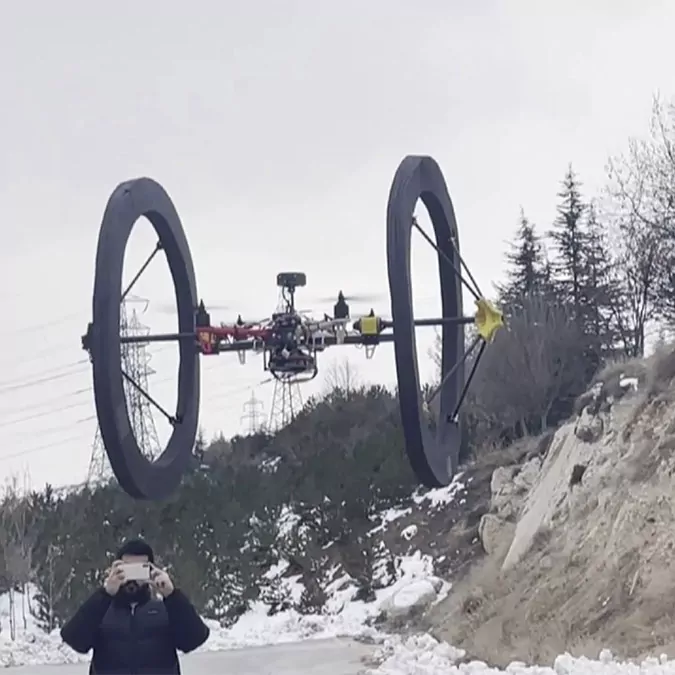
(439, 496)
(342, 617)
(423, 655)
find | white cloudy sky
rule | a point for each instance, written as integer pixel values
(276, 127)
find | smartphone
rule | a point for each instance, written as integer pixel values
(136, 571)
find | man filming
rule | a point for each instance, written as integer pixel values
(135, 625)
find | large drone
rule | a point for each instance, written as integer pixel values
(289, 340)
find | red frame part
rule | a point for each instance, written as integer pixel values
(209, 337)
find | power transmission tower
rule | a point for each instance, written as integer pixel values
(252, 415)
(99, 466)
(286, 403)
(136, 364)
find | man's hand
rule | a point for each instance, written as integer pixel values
(161, 581)
(114, 579)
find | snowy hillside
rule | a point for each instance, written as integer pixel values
(580, 532)
(401, 581)
(572, 527)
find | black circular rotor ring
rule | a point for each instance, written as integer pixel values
(433, 456)
(139, 477)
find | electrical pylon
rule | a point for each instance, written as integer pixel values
(286, 403)
(136, 363)
(99, 466)
(252, 415)
(286, 399)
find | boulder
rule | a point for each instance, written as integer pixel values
(502, 490)
(412, 597)
(495, 533)
(589, 428)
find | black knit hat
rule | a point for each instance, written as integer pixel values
(136, 547)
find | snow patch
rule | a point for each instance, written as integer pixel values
(423, 655)
(629, 383)
(409, 532)
(389, 516)
(440, 496)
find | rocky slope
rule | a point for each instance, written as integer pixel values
(580, 532)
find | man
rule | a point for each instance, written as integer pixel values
(131, 630)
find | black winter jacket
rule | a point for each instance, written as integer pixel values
(140, 640)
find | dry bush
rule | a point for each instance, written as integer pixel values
(610, 377)
(616, 370)
(528, 369)
(658, 386)
(660, 371)
(619, 367)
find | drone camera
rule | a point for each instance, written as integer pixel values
(291, 279)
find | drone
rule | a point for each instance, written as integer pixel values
(290, 340)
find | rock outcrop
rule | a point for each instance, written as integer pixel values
(580, 537)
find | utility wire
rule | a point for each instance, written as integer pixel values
(81, 366)
(83, 390)
(38, 448)
(42, 325)
(72, 439)
(27, 418)
(46, 402)
(41, 380)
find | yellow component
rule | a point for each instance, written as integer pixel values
(488, 319)
(370, 325)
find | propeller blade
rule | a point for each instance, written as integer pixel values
(253, 321)
(354, 297)
(170, 308)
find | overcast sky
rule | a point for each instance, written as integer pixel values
(276, 127)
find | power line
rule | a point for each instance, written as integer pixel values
(38, 378)
(43, 324)
(13, 385)
(77, 392)
(41, 354)
(55, 444)
(47, 402)
(27, 418)
(38, 448)
(80, 438)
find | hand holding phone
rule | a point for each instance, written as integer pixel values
(161, 581)
(114, 578)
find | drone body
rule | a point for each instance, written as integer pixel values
(289, 341)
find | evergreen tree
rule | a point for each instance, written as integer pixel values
(598, 296)
(569, 241)
(581, 270)
(528, 271)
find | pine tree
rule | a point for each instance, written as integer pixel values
(528, 270)
(569, 241)
(581, 270)
(597, 294)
